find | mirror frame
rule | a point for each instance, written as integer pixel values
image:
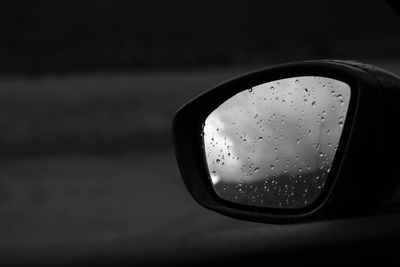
(339, 194)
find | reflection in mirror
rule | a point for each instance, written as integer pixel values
(273, 145)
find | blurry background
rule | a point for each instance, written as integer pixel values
(88, 90)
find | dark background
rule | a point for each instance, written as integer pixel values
(66, 36)
(88, 90)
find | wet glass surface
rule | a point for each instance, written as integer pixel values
(273, 145)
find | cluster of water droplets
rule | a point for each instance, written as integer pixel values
(273, 145)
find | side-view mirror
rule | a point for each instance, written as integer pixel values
(294, 142)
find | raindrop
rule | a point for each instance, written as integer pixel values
(256, 169)
(313, 104)
(250, 90)
(272, 167)
(260, 138)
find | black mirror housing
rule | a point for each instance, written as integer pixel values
(360, 181)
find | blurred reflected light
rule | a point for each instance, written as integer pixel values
(286, 130)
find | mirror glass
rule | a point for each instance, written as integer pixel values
(273, 145)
